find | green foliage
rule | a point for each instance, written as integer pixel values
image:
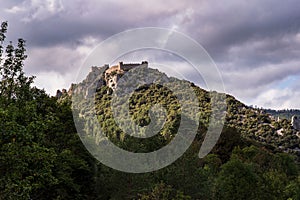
(244, 164)
(237, 180)
(14, 83)
(164, 192)
(41, 156)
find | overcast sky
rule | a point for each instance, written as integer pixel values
(255, 44)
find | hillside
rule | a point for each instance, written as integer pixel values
(252, 143)
(255, 125)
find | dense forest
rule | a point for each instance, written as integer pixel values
(42, 156)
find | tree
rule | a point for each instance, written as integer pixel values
(237, 180)
(164, 192)
(14, 83)
(41, 156)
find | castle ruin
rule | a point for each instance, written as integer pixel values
(114, 73)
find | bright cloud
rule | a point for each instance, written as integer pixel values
(37, 9)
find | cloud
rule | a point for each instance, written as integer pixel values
(51, 81)
(54, 22)
(59, 58)
(262, 75)
(15, 9)
(278, 99)
(37, 9)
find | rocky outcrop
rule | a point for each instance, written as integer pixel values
(58, 94)
(296, 123)
(61, 93)
(93, 81)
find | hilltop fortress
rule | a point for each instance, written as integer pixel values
(100, 76)
(114, 73)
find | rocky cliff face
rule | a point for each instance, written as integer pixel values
(296, 123)
(95, 77)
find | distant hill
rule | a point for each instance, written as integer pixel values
(283, 114)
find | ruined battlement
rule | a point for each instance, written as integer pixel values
(121, 67)
(113, 73)
(129, 66)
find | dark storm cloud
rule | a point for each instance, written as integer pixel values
(79, 19)
(54, 29)
(256, 45)
(221, 27)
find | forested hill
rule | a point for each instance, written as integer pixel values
(254, 125)
(42, 156)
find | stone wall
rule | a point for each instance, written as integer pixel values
(114, 73)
